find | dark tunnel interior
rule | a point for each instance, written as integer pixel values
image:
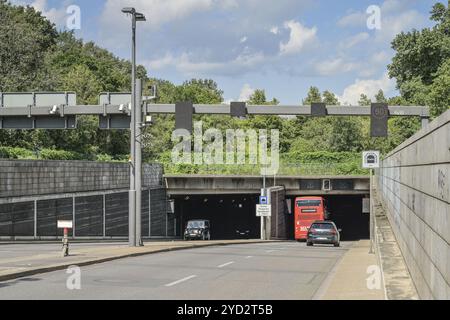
(228, 213)
(346, 212)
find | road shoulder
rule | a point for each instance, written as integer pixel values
(353, 275)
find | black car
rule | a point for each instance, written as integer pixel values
(197, 229)
(243, 233)
(323, 232)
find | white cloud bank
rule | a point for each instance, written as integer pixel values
(184, 63)
(300, 37)
(335, 66)
(369, 87)
(246, 92)
(56, 15)
(157, 12)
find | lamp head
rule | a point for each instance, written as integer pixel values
(129, 10)
(140, 17)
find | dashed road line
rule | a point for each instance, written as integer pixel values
(180, 281)
(225, 264)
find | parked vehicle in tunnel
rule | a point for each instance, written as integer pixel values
(243, 233)
(323, 232)
(197, 229)
(308, 210)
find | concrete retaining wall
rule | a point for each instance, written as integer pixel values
(35, 194)
(20, 178)
(414, 181)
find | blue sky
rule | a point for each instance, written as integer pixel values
(282, 46)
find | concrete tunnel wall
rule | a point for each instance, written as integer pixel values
(414, 181)
(35, 194)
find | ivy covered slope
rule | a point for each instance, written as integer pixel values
(34, 56)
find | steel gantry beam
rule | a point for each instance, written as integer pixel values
(219, 109)
(290, 110)
(105, 110)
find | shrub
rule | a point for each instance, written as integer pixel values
(16, 153)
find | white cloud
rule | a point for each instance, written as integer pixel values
(395, 24)
(161, 63)
(246, 93)
(156, 11)
(229, 4)
(55, 15)
(395, 18)
(300, 36)
(274, 30)
(380, 58)
(334, 66)
(354, 40)
(185, 64)
(354, 19)
(370, 87)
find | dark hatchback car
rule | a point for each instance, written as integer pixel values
(323, 232)
(197, 229)
(242, 233)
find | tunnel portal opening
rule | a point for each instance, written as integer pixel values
(226, 213)
(346, 212)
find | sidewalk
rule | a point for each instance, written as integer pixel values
(19, 260)
(398, 281)
(349, 278)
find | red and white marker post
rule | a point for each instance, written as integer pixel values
(66, 225)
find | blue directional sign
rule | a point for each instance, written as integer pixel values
(263, 200)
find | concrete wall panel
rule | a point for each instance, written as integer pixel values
(414, 183)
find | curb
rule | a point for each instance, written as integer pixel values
(63, 266)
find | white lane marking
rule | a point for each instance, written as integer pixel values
(248, 257)
(270, 251)
(180, 281)
(225, 264)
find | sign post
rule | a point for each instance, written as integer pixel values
(371, 160)
(66, 225)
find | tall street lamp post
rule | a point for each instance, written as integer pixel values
(134, 218)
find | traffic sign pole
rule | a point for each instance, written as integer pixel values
(371, 217)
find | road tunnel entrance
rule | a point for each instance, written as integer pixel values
(346, 212)
(226, 213)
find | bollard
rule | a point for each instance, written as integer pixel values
(66, 225)
(65, 248)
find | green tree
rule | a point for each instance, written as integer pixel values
(259, 98)
(420, 61)
(199, 91)
(330, 99)
(313, 96)
(440, 90)
(83, 81)
(25, 38)
(380, 98)
(364, 100)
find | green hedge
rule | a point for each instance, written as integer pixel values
(16, 153)
(50, 154)
(321, 157)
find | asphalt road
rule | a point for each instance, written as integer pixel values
(278, 271)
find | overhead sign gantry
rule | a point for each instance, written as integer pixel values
(59, 110)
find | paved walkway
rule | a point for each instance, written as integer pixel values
(398, 281)
(21, 260)
(349, 280)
